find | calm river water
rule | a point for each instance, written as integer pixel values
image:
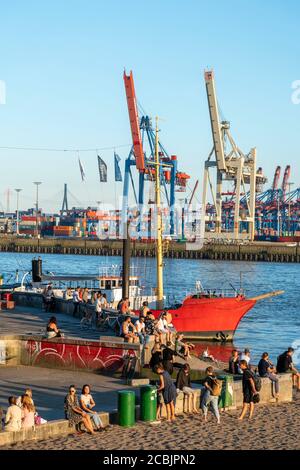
(272, 325)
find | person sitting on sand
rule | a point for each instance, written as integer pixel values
(285, 365)
(249, 390)
(87, 404)
(209, 397)
(74, 414)
(234, 362)
(13, 417)
(266, 369)
(183, 384)
(168, 389)
(181, 347)
(52, 331)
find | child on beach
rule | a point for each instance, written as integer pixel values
(168, 389)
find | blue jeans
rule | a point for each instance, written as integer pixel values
(144, 339)
(96, 418)
(275, 381)
(207, 400)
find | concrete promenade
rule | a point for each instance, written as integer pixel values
(27, 320)
(50, 386)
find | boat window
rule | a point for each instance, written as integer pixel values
(113, 283)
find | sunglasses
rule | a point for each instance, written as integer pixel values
(72, 391)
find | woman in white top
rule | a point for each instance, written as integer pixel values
(87, 404)
(13, 417)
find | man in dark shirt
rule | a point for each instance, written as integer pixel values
(168, 355)
(234, 362)
(183, 383)
(249, 390)
(266, 369)
(285, 365)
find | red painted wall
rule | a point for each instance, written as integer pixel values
(73, 356)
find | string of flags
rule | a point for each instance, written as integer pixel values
(102, 167)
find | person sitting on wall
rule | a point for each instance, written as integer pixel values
(181, 347)
(52, 330)
(127, 331)
(205, 356)
(285, 365)
(74, 414)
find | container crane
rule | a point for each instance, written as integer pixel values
(285, 181)
(141, 131)
(231, 165)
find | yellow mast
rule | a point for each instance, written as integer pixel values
(159, 251)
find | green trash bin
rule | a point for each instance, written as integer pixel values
(126, 408)
(148, 401)
(226, 397)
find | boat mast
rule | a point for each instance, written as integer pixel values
(159, 252)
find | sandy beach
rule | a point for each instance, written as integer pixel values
(273, 427)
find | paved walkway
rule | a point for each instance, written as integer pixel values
(50, 386)
(29, 320)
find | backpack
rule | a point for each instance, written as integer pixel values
(257, 381)
(216, 387)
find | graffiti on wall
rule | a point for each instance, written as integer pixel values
(75, 356)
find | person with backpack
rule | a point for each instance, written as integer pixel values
(211, 394)
(285, 365)
(266, 369)
(251, 387)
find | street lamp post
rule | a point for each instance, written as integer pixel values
(37, 183)
(18, 190)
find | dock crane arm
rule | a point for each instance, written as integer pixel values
(276, 178)
(214, 120)
(286, 177)
(134, 121)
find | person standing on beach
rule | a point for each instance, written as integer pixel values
(211, 394)
(266, 369)
(249, 390)
(234, 362)
(168, 389)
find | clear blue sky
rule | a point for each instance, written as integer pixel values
(63, 63)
